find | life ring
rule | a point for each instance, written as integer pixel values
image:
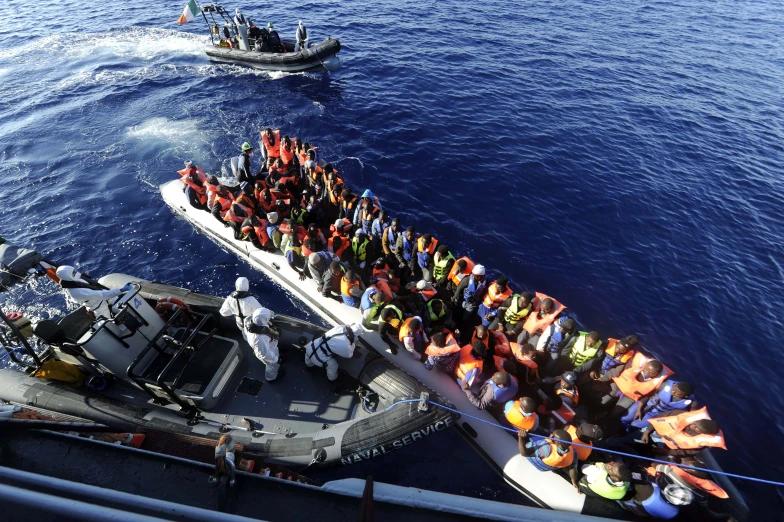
(168, 305)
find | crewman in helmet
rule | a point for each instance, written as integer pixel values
(241, 304)
(301, 37)
(263, 338)
(93, 296)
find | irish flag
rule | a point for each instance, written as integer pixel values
(189, 13)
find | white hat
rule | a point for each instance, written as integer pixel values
(242, 284)
(272, 217)
(313, 258)
(339, 223)
(422, 284)
(478, 270)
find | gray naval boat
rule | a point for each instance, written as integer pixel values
(262, 48)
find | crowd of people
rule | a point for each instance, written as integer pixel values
(516, 354)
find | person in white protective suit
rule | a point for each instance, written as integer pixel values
(263, 338)
(302, 37)
(340, 341)
(239, 18)
(93, 296)
(241, 304)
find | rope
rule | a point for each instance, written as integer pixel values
(594, 448)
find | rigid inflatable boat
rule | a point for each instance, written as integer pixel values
(481, 430)
(254, 47)
(193, 374)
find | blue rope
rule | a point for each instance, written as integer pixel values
(594, 448)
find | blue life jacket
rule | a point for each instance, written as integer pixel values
(609, 362)
(366, 301)
(377, 228)
(271, 229)
(553, 344)
(657, 507)
(663, 401)
(473, 290)
(502, 395)
(408, 248)
(392, 239)
(422, 259)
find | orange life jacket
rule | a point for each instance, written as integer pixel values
(494, 298)
(582, 452)
(234, 217)
(534, 324)
(572, 394)
(200, 190)
(517, 351)
(315, 174)
(485, 341)
(671, 431)
(286, 228)
(345, 229)
(345, 287)
(518, 420)
(502, 345)
(564, 414)
(303, 155)
(633, 388)
(273, 151)
(348, 205)
(405, 329)
(335, 189)
(223, 201)
(199, 172)
(451, 347)
(260, 230)
(430, 249)
(212, 191)
(610, 350)
(344, 244)
(267, 206)
(456, 276)
(556, 460)
(467, 362)
(246, 201)
(287, 155)
(705, 485)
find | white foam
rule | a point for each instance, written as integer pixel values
(171, 131)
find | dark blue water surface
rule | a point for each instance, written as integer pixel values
(624, 157)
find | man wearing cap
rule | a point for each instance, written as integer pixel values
(340, 341)
(494, 393)
(273, 229)
(318, 263)
(244, 172)
(241, 304)
(468, 294)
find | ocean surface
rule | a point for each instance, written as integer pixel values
(624, 157)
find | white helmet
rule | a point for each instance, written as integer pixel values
(478, 270)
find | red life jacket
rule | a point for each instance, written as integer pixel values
(286, 154)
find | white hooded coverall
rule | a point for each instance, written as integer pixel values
(240, 307)
(264, 346)
(94, 300)
(321, 351)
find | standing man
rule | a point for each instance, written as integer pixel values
(243, 170)
(241, 304)
(263, 338)
(302, 37)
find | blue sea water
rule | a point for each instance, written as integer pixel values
(624, 157)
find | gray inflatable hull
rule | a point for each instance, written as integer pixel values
(320, 57)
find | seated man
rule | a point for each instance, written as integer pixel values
(351, 289)
(638, 378)
(580, 354)
(671, 396)
(468, 294)
(318, 263)
(681, 433)
(565, 387)
(585, 436)
(291, 247)
(522, 414)
(494, 393)
(617, 353)
(512, 313)
(413, 337)
(331, 280)
(496, 293)
(443, 351)
(552, 342)
(438, 316)
(254, 229)
(390, 323)
(610, 480)
(470, 364)
(550, 454)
